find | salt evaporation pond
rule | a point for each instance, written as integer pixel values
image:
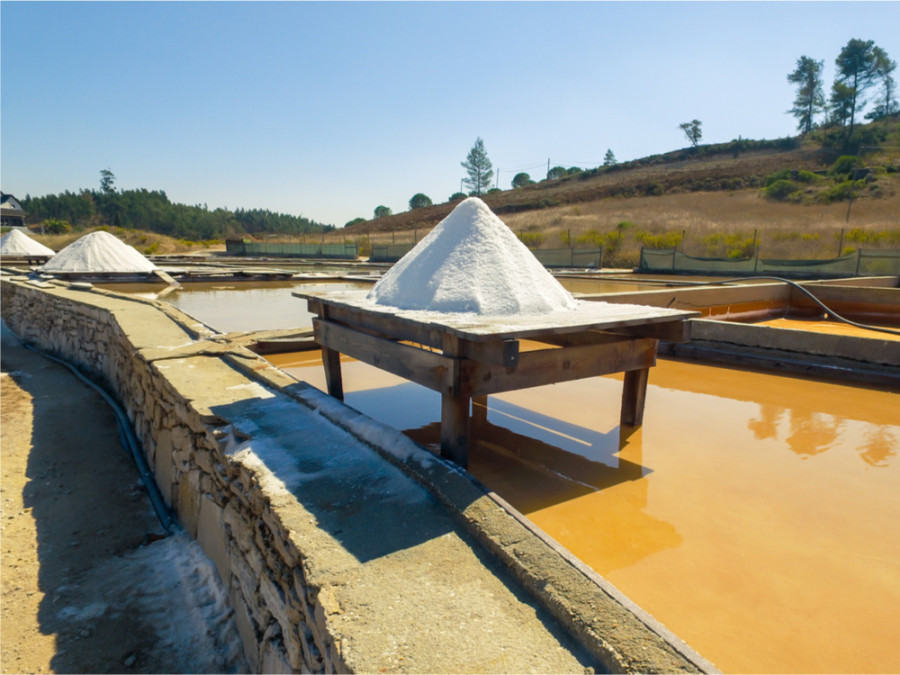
(753, 514)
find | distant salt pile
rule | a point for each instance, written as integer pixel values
(99, 252)
(17, 244)
(472, 262)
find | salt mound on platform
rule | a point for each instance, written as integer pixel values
(472, 262)
(16, 243)
(99, 252)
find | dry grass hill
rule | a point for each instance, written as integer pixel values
(712, 201)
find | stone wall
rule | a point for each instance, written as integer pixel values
(165, 369)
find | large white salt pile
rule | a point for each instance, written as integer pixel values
(16, 243)
(472, 262)
(99, 252)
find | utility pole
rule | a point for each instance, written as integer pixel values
(548, 168)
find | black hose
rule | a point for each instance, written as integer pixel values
(129, 440)
(827, 309)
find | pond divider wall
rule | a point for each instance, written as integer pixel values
(299, 590)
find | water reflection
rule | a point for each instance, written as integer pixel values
(705, 516)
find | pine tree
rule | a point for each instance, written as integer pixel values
(810, 98)
(479, 168)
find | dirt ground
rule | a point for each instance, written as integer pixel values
(88, 582)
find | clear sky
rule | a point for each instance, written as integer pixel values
(330, 109)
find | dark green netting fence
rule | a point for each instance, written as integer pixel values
(570, 257)
(335, 251)
(389, 253)
(858, 263)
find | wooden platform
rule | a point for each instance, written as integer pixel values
(467, 357)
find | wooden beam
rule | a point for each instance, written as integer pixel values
(671, 331)
(423, 367)
(548, 366)
(383, 324)
(503, 353)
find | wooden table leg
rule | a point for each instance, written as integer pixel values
(455, 429)
(479, 413)
(332, 362)
(634, 393)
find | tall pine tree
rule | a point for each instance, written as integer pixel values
(479, 168)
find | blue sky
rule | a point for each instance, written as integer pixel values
(330, 109)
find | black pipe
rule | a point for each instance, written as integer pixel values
(129, 440)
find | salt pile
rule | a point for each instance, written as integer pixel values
(16, 243)
(472, 262)
(99, 252)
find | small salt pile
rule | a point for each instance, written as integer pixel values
(99, 252)
(16, 243)
(472, 262)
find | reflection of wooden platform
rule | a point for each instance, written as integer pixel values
(466, 356)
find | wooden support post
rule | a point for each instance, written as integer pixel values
(454, 408)
(332, 362)
(634, 393)
(455, 428)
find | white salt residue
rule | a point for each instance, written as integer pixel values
(174, 590)
(472, 262)
(17, 243)
(99, 252)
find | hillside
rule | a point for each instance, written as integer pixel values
(710, 200)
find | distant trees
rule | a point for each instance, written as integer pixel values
(860, 66)
(479, 168)
(886, 103)
(609, 159)
(107, 181)
(382, 211)
(857, 71)
(457, 196)
(521, 180)
(152, 211)
(692, 131)
(810, 99)
(556, 172)
(355, 221)
(419, 201)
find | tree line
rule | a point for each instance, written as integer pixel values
(861, 67)
(153, 211)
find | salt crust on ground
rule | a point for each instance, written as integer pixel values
(472, 262)
(99, 252)
(17, 243)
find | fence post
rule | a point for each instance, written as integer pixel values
(841, 243)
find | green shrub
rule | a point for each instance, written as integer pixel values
(806, 177)
(841, 191)
(784, 174)
(844, 165)
(780, 190)
(57, 226)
